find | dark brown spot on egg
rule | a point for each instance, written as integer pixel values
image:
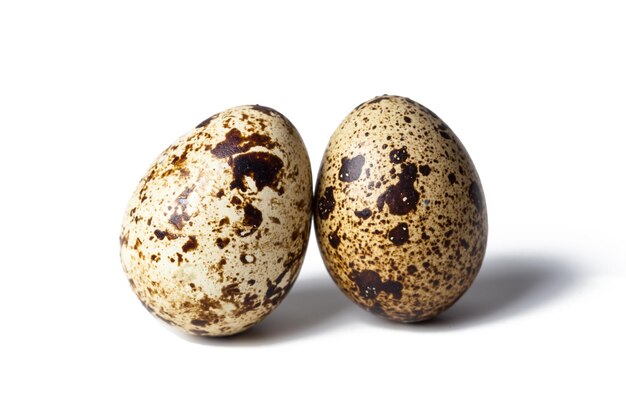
(222, 242)
(401, 198)
(407, 119)
(272, 112)
(399, 235)
(161, 234)
(207, 310)
(424, 170)
(452, 178)
(199, 323)
(229, 292)
(274, 292)
(180, 215)
(236, 143)
(252, 216)
(398, 156)
(191, 244)
(179, 219)
(262, 167)
(249, 303)
(326, 203)
(178, 160)
(334, 239)
(300, 205)
(220, 193)
(351, 168)
(378, 310)
(370, 285)
(207, 303)
(363, 214)
(207, 121)
(476, 195)
(265, 110)
(426, 109)
(252, 219)
(442, 129)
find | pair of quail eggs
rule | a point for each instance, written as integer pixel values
(216, 232)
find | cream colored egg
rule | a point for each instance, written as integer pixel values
(400, 214)
(215, 234)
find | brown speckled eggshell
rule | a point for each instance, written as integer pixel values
(400, 214)
(215, 234)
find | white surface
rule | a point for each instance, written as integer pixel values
(90, 94)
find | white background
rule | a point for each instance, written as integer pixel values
(91, 93)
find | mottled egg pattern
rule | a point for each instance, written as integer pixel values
(400, 215)
(215, 234)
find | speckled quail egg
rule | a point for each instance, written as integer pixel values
(400, 214)
(215, 234)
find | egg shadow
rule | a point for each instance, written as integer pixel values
(314, 305)
(507, 286)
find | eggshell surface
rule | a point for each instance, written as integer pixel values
(215, 234)
(400, 214)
